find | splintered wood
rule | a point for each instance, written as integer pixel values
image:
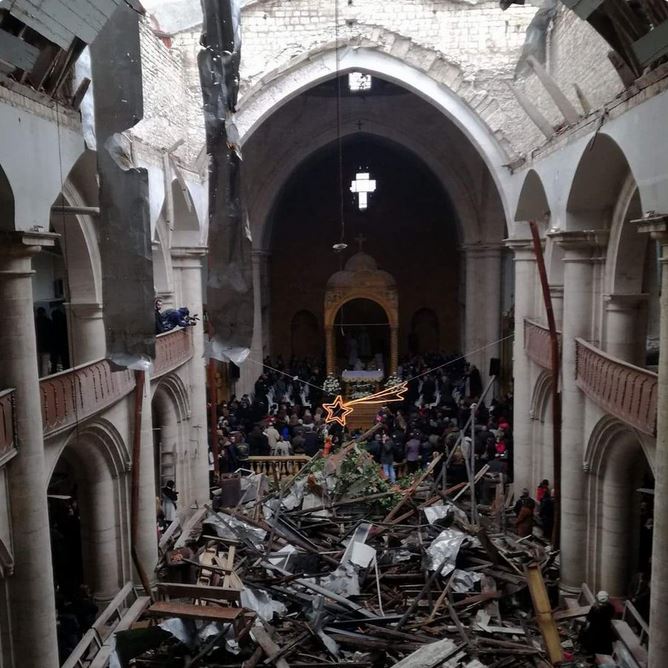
(335, 567)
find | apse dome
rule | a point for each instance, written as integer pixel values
(361, 270)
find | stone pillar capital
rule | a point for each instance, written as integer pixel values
(624, 303)
(581, 245)
(188, 257)
(17, 247)
(557, 290)
(483, 250)
(656, 225)
(90, 311)
(522, 249)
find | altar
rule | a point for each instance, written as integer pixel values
(361, 322)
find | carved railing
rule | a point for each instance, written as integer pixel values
(623, 390)
(79, 393)
(7, 437)
(537, 343)
(172, 350)
(284, 467)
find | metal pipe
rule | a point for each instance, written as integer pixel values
(67, 210)
(555, 364)
(140, 379)
(474, 508)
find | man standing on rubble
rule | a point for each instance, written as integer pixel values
(597, 634)
(524, 509)
(387, 459)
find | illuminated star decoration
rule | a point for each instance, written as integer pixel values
(338, 410)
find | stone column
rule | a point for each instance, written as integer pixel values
(103, 535)
(557, 294)
(87, 336)
(579, 262)
(394, 349)
(329, 348)
(147, 536)
(623, 338)
(189, 262)
(657, 226)
(252, 368)
(483, 305)
(31, 589)
(526, 278)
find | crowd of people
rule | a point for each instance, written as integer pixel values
(284, 416)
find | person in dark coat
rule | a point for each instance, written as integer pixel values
(45, 339)
(597, 635)
(258, 443)
(546, 514)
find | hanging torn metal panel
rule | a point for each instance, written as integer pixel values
(230, 276)
(124, 223)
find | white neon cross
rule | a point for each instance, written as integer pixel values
(362, 186)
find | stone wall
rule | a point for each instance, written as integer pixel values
(172, 101)
(577, 55)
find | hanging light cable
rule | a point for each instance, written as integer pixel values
(341, 245)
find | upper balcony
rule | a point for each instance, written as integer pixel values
(628, 392)
(537, 343)
(77, 394)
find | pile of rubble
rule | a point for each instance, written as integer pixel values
(333, 566)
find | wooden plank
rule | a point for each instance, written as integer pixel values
(16, 52)
(270, 648)
(189, 527)
(571, 613)
(133, 614)
(177, 590)
(190, 611)
(543, 609)
(113, 608)
(169, 532)
(631, 641)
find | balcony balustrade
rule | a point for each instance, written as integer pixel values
(623, 390)
(172, 350)
(537, 343)
(76, 394)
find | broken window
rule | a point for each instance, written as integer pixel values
(358, 81)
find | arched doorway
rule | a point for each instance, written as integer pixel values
(89, 514)
(170, 410)
(620, 501)
(305, 335)
(361, 309)
(425, 334)
(362, 335)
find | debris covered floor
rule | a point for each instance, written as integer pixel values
(333, 566)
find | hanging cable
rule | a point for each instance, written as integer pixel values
(341, 245)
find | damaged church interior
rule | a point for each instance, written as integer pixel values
(332, 333)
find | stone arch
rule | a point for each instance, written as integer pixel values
(305, 335)
(616, 462)
(163, 274)
(625, 245)
(601, 173)
(451, 181)
(98, 461)
(542, 462)
(532, 203)
(6, 203)
(438, 86)
(171, 441)
(185, 214)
